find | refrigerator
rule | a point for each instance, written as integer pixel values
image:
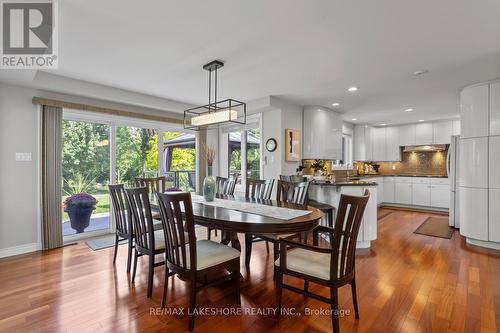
(452, 162)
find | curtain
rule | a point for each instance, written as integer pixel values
(201, 161)
(51, 177)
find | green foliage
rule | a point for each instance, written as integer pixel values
(78, 184)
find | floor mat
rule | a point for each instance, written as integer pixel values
(382, 215)
(103, 242)
(436, 227)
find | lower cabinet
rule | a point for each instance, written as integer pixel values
(421, 194)
(388, 191)
(494, 215)
(473, 210)
(440, 196)
(402, 193)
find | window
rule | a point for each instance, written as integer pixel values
(347, 153)
(234, 155)
(253, 153)
(179, 160)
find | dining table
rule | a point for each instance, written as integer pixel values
(235, 214)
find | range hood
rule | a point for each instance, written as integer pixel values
(420, 148)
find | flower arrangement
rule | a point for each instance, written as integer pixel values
(173, 189)
(318, 165)
(209, 154)
(79, 200)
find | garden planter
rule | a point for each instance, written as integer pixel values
(79, 217)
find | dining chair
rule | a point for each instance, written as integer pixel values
(223, 186)
(290, 192)
(153, 184)
(148, 241)
(123, 224)
(332, 266)
(327, 209)
(259, 189)
(188, 258)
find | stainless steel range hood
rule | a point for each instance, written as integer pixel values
(421, 148)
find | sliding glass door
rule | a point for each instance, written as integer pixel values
(86, 174)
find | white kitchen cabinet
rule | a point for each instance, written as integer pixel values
(322, 134)
(494, 159)
(440, 196)
(380, 189)
(407, 135)
(474, 213)
(421, 194)
(474, 111)
(363, 143)
(495, 108)
(456, 127)
(494, 215)
(473, 169)
(393, 152)
(423, 134)
(443, 130)
(402, 193)
(379, 145)
(388, 190)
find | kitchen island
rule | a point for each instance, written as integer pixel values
(329, 193)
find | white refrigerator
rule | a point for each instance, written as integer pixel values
(452, 163)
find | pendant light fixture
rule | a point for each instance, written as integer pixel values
(217, 112)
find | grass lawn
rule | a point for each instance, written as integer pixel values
(102, 203)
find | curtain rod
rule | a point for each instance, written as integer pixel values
(98, 109)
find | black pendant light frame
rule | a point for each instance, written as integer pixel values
(211, 107)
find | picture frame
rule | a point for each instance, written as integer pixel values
(292, 145)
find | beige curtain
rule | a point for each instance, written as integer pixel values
(51, 177)
(201, 161)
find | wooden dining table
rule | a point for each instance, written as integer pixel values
(232, 221)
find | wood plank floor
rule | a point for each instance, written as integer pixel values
(406, 282)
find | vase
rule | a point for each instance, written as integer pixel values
(209, 186)
(79, 217)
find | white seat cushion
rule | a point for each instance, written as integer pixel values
(210, 253)
(276, 237)
(157, 225)
(159, 240)
(308, 262)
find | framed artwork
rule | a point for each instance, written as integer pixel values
(292, 145)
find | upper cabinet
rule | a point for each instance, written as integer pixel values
(423, 134)
(443, 131)
(456, 127)
(322, 134)
(363, 143)
(407, 135)
(379, 144)
(474, 111)
(392, 144)
(495, 108)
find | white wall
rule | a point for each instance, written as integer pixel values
(19, 213)
(291, 117)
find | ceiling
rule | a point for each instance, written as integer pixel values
(308, 52)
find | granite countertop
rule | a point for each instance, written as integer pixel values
(345, 183)
(407, 175)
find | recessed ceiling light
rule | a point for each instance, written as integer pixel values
(383, 124)
(354, 119)
(335, 104)
(353, 89)
(409, 110)
(420, 72)
(421, 120)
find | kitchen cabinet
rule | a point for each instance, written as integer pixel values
(440, 196)
(421, 194)
(380, 189)
(442, 132)
(407, 135)
(495, 108)
(322, 134)
(423, 134)
(379, 151)
(474, 111)
(456, 127)
(494, 181)
(494, 215)
(363, 143)
(474, 213)
(473, 169)
(388, 190)
(393, 152)
(403, 193)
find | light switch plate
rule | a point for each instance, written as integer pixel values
(24, 157)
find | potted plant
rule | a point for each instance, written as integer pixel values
(79, 208)
(318, 166)
(209, 181)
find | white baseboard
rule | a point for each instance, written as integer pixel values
(20, 249)
(489, 245)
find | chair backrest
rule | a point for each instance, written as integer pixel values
(175, 228)
(347, 224)
(293, 178)
(225, 186)
(155, 184)
(142, 219)
(259, 189)
(292, 192)
(120, 206)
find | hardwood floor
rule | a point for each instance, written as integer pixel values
(406, 282)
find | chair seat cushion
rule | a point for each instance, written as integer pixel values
(308, 262)
(276, 237)
(157, 225)
(210, 253)
(159, 240)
